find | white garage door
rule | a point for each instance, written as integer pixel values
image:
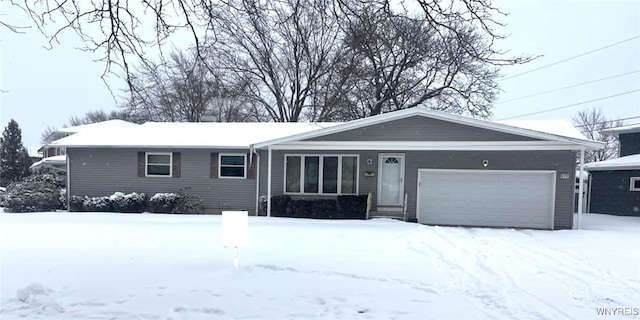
(495, 198)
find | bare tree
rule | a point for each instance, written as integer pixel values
(182, 88)
(591, 123)
(276, 50)
(296, 59)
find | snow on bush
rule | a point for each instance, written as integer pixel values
(98, 204)
(76, 203)
(130, 203)
(163, 202)
(31, 196)
(263, 203)
(187, 202)
(118, 202)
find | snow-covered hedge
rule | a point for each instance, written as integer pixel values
(31, 196)
(96, 204)
(163, 202)
(180, 202)
(131, 203)
(118, 202)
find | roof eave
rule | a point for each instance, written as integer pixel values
(149, 146)
(614, 168)
(588, 144)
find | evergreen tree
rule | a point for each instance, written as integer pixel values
(14, 159)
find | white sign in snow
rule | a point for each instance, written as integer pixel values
(235, 230)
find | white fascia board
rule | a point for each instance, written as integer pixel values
(148, 146)
(426, 145)
(618, 167)
(396, 115)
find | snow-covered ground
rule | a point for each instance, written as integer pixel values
(151, 266)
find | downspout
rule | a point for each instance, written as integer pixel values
(269, 159)
(257, 181)
(580, 188)
(589, 195)
(68, 187)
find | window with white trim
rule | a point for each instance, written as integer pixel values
(158, 164)
(321, 174)
(232, 165)
(634, 184)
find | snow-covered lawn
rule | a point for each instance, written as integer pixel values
(150, 266)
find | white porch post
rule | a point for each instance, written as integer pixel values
(580, 189)
(257, 183)
(269, 158)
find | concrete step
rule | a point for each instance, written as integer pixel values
(387, 214)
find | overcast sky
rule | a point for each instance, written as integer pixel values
(43, 87)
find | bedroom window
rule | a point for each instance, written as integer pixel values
(321, 174)
(233, 166)
(158, 164)
(634, 184)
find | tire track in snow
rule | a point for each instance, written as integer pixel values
(477, 257)
(586, 268)
(412, 284)
(429, 241)
(482, 262)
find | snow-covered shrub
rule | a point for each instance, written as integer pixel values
(130, 203)
(31, 196)
(49, 176)
(76, 203)
(62, 199)
(187, 202)
(163, 202)
(262, 201)
(96, 204)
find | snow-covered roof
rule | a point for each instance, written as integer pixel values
(103, 125)
(189, 135)
(109, 124)
(55, 162)
(554, 130)
(631, 162)
(259, 135)
(34, 152)
(555, 127)
(623, 129)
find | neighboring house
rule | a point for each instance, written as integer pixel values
(55, 163)
(54, 157)
(439, 168)
(615, 183)
(34, 154)
(50, 151)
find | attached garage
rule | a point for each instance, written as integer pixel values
(496, 198)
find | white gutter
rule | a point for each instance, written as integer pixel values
(580, 189)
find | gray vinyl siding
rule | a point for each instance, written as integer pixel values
(99, 172)
(629, 143)
(419, 128)
(610, 193)
(563, 162)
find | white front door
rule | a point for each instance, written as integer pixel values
(390, 179)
